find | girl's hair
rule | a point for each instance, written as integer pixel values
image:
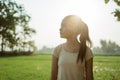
(84, 41)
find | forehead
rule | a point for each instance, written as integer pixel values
(72, 21)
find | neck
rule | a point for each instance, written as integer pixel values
(72, 45)
(72, 42)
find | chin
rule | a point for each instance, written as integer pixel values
(61, 36)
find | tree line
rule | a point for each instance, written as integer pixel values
(15, 33)
(107, 48)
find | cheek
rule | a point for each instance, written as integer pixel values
(66, 33)
(70, 31)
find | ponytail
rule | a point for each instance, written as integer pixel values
(82, 50)
(84, 37)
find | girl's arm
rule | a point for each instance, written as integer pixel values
(89, 69)
(54, 70)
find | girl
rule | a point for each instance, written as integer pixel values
(73, 60)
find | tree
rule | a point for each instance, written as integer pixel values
(12, 18)
(117, 11)
(26, 34)
(109, 47)
(103, 45)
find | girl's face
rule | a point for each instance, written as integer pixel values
(67, 29)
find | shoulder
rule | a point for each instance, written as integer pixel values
(58, 47)
(89, 54)
(57, 50)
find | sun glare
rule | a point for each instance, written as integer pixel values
(46, 17)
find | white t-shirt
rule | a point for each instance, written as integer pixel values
(68, 68)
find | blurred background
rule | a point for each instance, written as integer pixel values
(31, 27)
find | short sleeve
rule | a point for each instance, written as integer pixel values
(57, 50)
(89, 54)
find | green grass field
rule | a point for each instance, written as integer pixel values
(38, 67)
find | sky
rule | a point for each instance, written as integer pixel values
(46, 17)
